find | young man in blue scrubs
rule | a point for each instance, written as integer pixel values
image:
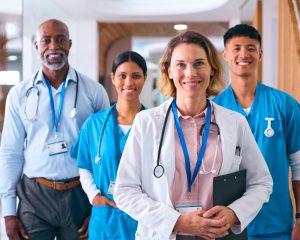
(274, 120)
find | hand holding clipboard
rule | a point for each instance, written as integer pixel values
(226, 189)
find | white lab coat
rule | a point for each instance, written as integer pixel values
(147, 198)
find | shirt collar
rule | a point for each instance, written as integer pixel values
(71, 76)
(200, 115)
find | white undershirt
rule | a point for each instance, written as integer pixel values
(125, 128)
(247, 110)
(87, 178)
(88, 183)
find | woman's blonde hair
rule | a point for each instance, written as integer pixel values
(216, 84)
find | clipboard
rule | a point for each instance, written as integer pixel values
(226, 189)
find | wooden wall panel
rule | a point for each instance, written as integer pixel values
(109, 33)
(289, 50)
(257, 23)
(3, 50)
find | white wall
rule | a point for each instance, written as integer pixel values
(83, 32)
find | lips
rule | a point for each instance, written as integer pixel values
(54, 56)
(191, 83)
(244, 62)
(128, 91)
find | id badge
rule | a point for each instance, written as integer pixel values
(111, 188)
(58, 146)
(184, 208)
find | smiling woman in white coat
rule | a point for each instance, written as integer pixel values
(173, 152)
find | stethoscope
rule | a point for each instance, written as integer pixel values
(212, 170)
(34, 88)
(112, 110)
(98, 158)
(159, 169)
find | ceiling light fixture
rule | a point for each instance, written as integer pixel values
(180, 27)
(12, 58)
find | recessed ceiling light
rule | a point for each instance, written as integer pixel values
(180, 27)
(12, 58)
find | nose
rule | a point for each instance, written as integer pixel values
(190, 71)
(128, 81)
(53, 44)
(244, 53)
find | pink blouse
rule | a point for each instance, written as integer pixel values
(201, 192)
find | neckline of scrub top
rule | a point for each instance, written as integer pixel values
(251, 116)
(118, 133)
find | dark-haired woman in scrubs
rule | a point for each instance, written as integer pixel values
(100, 144)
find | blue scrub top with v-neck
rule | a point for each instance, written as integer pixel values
(276, 216)
(106, 222)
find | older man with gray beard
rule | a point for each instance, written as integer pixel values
(42, 118)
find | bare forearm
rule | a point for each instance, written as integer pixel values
(296, 189)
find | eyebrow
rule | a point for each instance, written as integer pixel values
(56, 36)
(131, 73)
(248, 45)
(198, 59)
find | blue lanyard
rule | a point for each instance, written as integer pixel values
(55, 120)
(113, 111)
(116, 133)
(201, 152)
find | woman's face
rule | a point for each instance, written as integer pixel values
(128, 81)
(190, 70)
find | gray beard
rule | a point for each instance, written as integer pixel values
(55, 66)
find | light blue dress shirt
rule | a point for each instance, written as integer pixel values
(24, 142)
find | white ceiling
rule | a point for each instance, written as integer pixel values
(123, 11)
(159, 10)
(138, 10)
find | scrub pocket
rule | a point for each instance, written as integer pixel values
(111, 223)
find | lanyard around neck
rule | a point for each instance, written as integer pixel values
(56, 119)
(191, 178)
(116, 133)
(113, 111)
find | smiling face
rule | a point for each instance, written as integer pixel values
(53, 44)
(128, 80)
(242, 55)
(190, 71)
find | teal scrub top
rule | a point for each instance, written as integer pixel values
(106, 222)
(276, 216)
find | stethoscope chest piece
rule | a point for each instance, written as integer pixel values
(158, 171)
(97, 159)
(73, 113)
